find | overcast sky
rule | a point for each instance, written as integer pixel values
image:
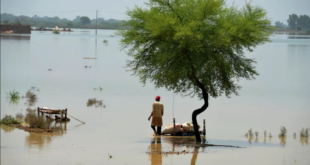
(278, 10)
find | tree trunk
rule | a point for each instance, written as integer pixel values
(197, 112)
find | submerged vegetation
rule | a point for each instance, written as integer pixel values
(304, 132)
(56, 31)
(283, 132)
(95, 102)
(105, 41)
(31, 97)
(13, 96)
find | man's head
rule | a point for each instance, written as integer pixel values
(157, 98)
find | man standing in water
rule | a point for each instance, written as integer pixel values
(157, 113)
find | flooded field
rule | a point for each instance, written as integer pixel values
(86, 74)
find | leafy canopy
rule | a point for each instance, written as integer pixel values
(181, 44)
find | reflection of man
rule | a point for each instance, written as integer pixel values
(157, 113)
(156, 157)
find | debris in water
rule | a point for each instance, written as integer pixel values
(89, 58)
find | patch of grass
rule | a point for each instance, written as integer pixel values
(56, 31)
(8, 119)
(13, 94)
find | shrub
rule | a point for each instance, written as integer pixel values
(19, 116)
(35, 121)
(56, 31)
(8, 119)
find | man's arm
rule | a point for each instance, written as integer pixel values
(152, 112)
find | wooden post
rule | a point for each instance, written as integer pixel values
(204, 127)
(174, 126)
(38, 111)
(66, 114)
(62, 114)
(96, 21)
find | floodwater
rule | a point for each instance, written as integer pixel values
(54, 69)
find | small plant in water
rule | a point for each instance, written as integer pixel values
(265, 133)
(283, 132)
(270, 136)
(304, 132)
(31, 98)
(13, 96)
(56, 31)
(95, 102)
(250, 132)
(256, 134)
(105, 41)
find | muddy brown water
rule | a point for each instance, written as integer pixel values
(55, 66)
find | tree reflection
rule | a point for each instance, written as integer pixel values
(156, 151)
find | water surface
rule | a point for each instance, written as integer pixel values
(55, 66)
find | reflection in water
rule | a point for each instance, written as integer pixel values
(155, 149)
(6, 128)
(256, 139)
(14, 101)
(195, 155)
(304, 140)
(15, 36)
(41, 139)
(282, 141)
(179, 145)
(250, 140)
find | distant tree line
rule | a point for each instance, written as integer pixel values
(78, 22)
(301, 22)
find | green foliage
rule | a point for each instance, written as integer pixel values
(35, 121)
(13, 96)
(8, 119)
(6, 21)
(105, 41)
(303, 21)
(280, 25)
(180, 45)
(56, 31)
(85, 20)
(298, 27)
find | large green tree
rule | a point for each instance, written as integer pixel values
(194, 47)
